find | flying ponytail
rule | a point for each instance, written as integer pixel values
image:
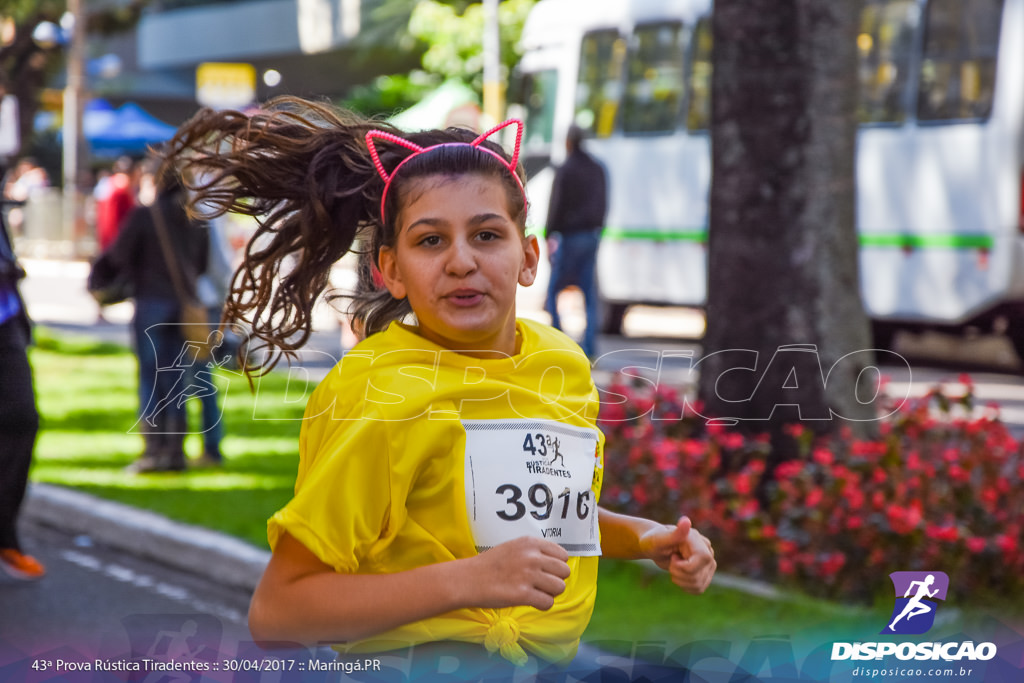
(303, 172)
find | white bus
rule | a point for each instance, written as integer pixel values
(940, 150)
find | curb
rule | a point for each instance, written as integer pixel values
(197, 550)
(186, 547)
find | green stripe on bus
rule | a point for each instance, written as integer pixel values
(928, 241)
(656, 235)
(899, 240)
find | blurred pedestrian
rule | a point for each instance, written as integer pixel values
(115, 198)
(576, 215)
(26, 181)
(213, 286)
(164, 365)
(19, 418)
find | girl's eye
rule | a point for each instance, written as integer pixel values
(430, 241)
(487, 235)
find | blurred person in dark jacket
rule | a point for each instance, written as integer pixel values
(576, 215)
(161, 349)
(19, 419)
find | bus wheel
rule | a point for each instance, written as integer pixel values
(612, 317)
(883, 335)
(1015, 331)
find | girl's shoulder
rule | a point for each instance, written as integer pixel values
(539, 338)
(361, 379)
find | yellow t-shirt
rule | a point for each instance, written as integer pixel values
(382, 484)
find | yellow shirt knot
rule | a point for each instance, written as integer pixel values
(503, 637)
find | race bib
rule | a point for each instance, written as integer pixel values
(532, 478)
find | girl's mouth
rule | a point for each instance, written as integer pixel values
(465, 297)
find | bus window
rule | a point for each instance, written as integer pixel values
(698, 113)
(958, 70)
(599, 86)
(885, 43)
(538, 99)
(654, 85)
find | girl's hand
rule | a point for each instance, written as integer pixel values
(683, 552)
(526, 571)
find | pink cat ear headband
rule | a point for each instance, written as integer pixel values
(374, 135)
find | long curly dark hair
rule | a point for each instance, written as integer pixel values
(303, 171)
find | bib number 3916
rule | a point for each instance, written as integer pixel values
(531, 478)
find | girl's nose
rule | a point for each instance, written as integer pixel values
(461, 259)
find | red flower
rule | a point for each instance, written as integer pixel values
(788, 470)
(639, 494)
(975, 544)
(1006, 543)
(694, 449)
(814, 497)
(832, 564)
(904, 520)
(786, 565)
(942, 533)
(868, 448)
(768, 531)
(743, 484)
(715, 428)
(733, 441)
(957, 473)
(823, 456)
(747, 510)
(612, 412)
(795, 430)
(665, 455)
(913, 461)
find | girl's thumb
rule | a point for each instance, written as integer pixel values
(682, 530)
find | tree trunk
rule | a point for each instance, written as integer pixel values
(782, 247)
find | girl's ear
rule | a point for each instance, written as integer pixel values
(389, 272)
(531, 258)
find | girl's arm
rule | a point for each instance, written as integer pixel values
(679, 549)
(301, 599)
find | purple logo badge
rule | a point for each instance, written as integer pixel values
(916, 596)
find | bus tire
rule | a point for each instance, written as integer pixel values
(883, 335)
(1015, 332)
(612, 317)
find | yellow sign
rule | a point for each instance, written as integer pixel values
(224, 85)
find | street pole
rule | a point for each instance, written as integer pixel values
(493, 95)
(72, 126)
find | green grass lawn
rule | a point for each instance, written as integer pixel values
(86, 392)
(87, 398)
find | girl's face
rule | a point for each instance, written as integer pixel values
(459, 256)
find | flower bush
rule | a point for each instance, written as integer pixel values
(941, 488)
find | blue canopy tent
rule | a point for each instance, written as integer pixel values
(128, 129)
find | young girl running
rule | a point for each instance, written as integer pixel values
(450, 466)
